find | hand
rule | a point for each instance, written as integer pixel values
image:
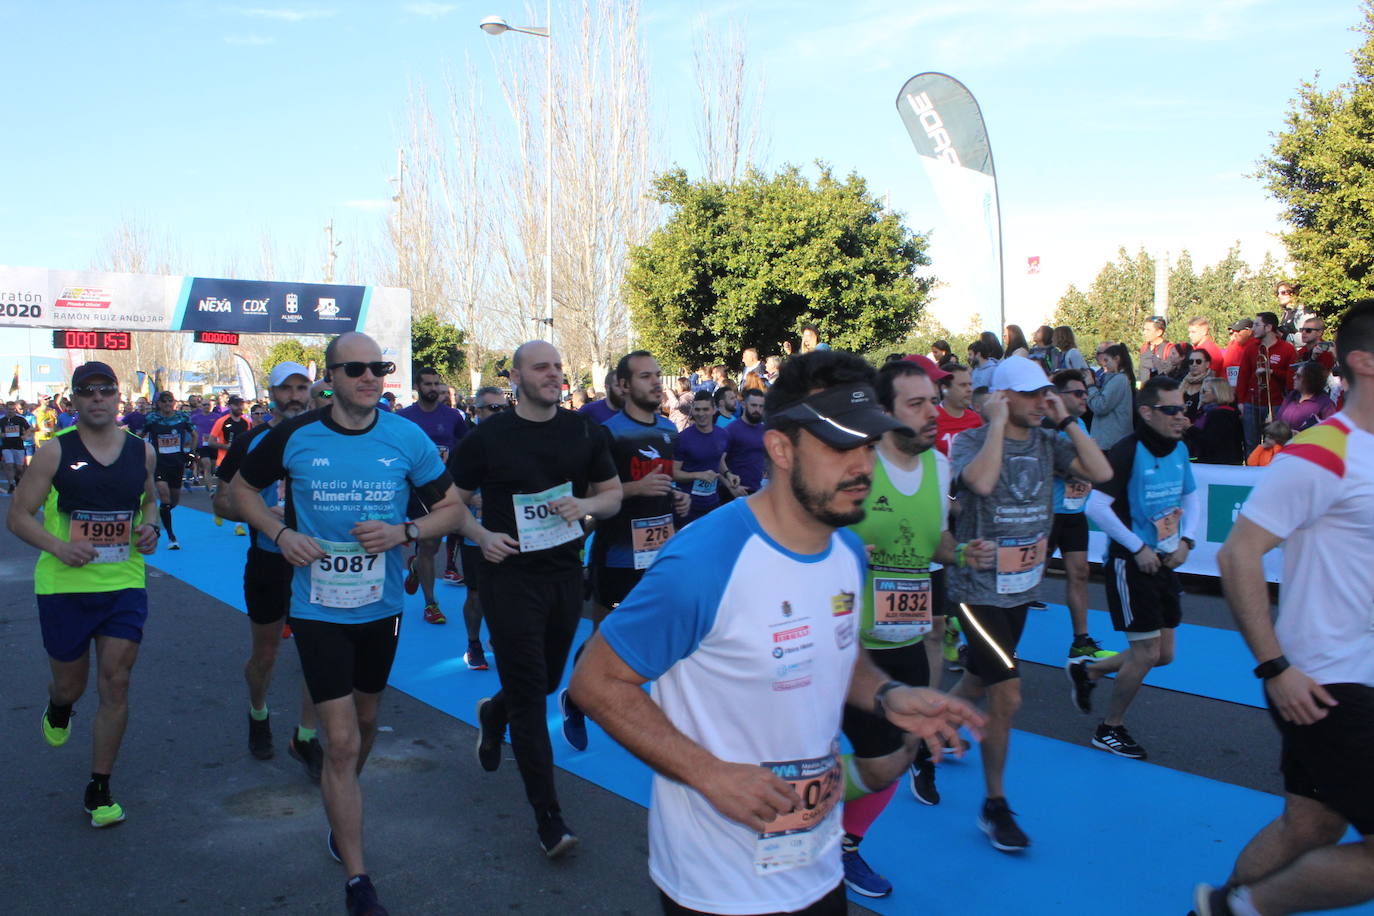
(655, 484)
(1298, 698)
(299, 549)
(980, 554)
(475, 504)
(1089, 378)
(748, 794)
(1055, 409)
(932, 715)
(1178, 557)
(682, 502)
(1147, 560)
(75, 553)
(707, 476)
(497, 546)
(732, 480)
(995, 409)
(378, 537)
(146, 538)
(569, 508)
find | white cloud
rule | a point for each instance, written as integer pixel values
(430, 9)
(368, 205)
(285, 14)
(249, 41)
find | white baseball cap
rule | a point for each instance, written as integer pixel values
(1016, 373)
(283, 371)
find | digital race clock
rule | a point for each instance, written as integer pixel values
(228, 338)
(90, 340)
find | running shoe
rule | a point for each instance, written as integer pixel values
(474, 657)
(412, 582)
(950, 646)
(453, 576)
(1089, 648)
(55, 736)
(923, 783)
(998, 822)
(309, 753)
(260, 738)
(239, 531)
(172, 544)
(489, 735)
(1114, 739)
(1038, 606)
(960, 659)
(1211, 901)
(574, 722)
(860, 878)
(219, 522)
(434, 615)
(103, 810)
(286, 631)
(1082, 686)
(333, 850)
(555, 837)
(361, 897)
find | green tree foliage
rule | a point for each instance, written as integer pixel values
(440, 347)
(292, 350)
(748, 263)
(1119, 300)
(1322, 170)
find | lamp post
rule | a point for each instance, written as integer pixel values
(495, 25)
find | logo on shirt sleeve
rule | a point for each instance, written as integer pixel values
(842, 604)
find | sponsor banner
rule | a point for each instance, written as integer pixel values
(255, 306)
(1224, 491)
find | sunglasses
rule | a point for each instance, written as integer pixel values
(87, 391)
(1076, 392)
(356, 369)
(1311, 330)
(1171, 410)
(1198, 362)
(492, 407)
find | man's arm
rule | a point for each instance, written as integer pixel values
(923, 712)
(1091, 463)
(602, 501)
(494, 545)
(148, 532)
(29, 497)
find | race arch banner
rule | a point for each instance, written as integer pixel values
(32, 297)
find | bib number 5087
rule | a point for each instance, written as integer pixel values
(344, 564)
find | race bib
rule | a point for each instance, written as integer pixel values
(108, 532)
(346, 576)
(901, 609)
(1166, 530)
(704, 487)
(801, 837)
(443, 453)
(169, 444)
(1076, 494)
(1020, 564)
(11, 432)
(647, 537)
(539, 527)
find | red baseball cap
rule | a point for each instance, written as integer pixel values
(937, 375)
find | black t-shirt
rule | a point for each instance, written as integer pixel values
(12, 431)
(638, 449)
(510, 455)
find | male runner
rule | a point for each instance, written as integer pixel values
(267, 580)
(228, 426)
(171, 434)
(1150, 510)
(1317, 662)
(14, 432)
(445, 427)
(541, 470)
(203, 416)
(45, 422)
(1003, 472)
(699, 457)
(753, 659)
(349, 473)
(744, 452)
(488, 402)
(94, 485)
(904, 528)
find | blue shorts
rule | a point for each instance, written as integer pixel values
(72, 619)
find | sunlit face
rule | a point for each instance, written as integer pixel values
(95, 407)
(1027, 409)
(1167, 417)
(1075, 398)
(1197, 333)
(914, 405)
(430, 388)
(291, 398)
(539, 378)
(830, 484)
(703, 413)
(753, 408)
(363, 392)
(729, 402)
(644, 388)
(958, 390)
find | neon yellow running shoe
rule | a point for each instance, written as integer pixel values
(218, 521)
(55, 736)
(106, 815)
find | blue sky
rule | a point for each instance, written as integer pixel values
(1112, 123)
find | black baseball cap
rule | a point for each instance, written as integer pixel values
(843, 417)
(92, 370)
(1244, 324)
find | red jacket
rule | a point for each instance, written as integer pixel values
(1251, 387)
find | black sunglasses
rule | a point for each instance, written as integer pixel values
(1171, 410)
(1198, 362)
(1310, 330)
(492, 407)
(356, 369)
(87, 391)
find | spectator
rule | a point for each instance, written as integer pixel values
(1313, 347)
(939, 352)
(1044, 350)
(1113, 401)
(1276, 436)
(1309, 403)
(1178, 361)
(1241, 332)
(1067, 346)
(1098, 356)
(1266, 366)
(1215, 437)
(1157, 355)
(1015, 341)
(993, 344)
(811, 339)
(1199, 370)
(984, 362)
(1200, 336)
(955, 413)
(752, 366)
(771, 366)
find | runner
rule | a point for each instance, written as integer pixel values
(541, 470)
(267, 581)
(1317, 662)
(445, 427)
(1003, 470)
(170, 433)
(45, 422)
(744, 453)
(15, 433)
(642, 445)
(1150, 510)
(94, 486)
(349, 472)
(753, 659)
(488, 403)
(203, 416)
(904, 529)
(699, 458)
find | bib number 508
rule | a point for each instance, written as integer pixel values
(540, 511)
(355, 563)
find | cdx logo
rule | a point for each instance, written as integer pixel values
(255, 306)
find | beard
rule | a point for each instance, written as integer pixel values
(816, 503)
(912, 445)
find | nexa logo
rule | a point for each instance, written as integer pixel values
(215, 304)
(320, 463)
(934, 127)
(255, 306)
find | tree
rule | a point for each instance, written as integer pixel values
(730, 100)
(1322, 170)
(742, 265)
(292, 350)
(440, 347)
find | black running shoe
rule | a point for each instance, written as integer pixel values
(310, 754)
(1211, 901)
(361, 897)
(998, 823)
(1081, 692)
(1114, 739)
(923, 782)
(260, 738)
(555, 838)
(489, 734)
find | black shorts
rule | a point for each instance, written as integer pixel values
(170, 474)
(612, 584)
(267, 586)
(1142, 603)
(1330, 760)
(835, 903)
(208, 451)
(470, 559)
(339, 658)
(992, 634)
(873, 736)
(939, 593)
(1069, 533)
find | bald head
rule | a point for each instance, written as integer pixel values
(537, 371)
(532, 350)
(351, 346)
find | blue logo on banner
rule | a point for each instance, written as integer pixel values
(261, 307)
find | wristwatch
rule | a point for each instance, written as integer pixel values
(1063, 424)
(412, 532)
(1272, 668)
(878, 709)
(1192, 544)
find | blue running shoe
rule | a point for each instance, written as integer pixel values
(861, 879)
(574, 722)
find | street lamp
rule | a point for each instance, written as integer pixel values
(495, 25)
